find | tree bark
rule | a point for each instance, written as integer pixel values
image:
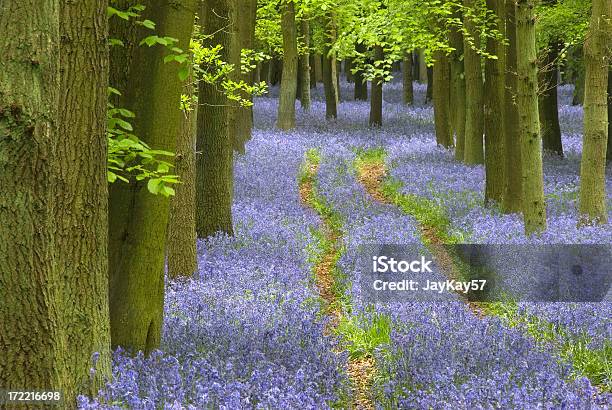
(361, 86)
(214, 160)
(609, 150)
(286, 101)
(430, 84)
(408, 95)
(592, 204)
(457, 73)
(318, 68)
(305, 65)
(578, 74)
(138, 219)
(441, 99)
(513, 187)
(245, 33)
(548, 106)
(423, 69)
(494, 96)
(32, 325)
(474, 119)
(328, 68)
(182, 258)
(377, 92)
(313, 71)
(534, 207)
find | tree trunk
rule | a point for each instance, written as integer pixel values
(534, 207)
(430, 84)
(138, 220)
(609, 150)
(423, 69)
(578, 74)
(32, 323)
(214, 160)
(245, 34)
(474, 117)
(377, 92)
(592, 205)
(495, 89)
(361, 86)
(313, 71)
(548, 106)
(318, 68)
(408, 95)
(457, 73)
(286, 100)
(305, 65)
(513, 188)
(182, 258)
(328, 68)
(441, 99)
(348, 70)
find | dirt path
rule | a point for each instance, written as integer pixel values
(360, 370)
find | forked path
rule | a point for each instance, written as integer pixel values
(359, 370)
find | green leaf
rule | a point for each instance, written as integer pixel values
(183, 73)
(148, 24)
(154, 185)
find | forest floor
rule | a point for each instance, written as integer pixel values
(278, 312)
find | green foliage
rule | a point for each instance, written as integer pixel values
(563, 21)
(364, 334)
(130, 159)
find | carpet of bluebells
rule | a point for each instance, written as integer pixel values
(247, 331)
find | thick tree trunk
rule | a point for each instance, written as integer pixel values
(592, 205)
(305, 65)
(361, 86)
(430, 84)
(548, 106)
(408, 94)
(318, 68)
(377, 92)
(246, 40)
(138, 219)
(534, 207)
(441, 99)
(32, 323)
(474, 117)
(494, 97)
(214, 160)
(513, 187)
(286, 101)
(328, 68)
(457, 73)
(182, 258)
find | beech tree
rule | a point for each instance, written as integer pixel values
(286, 102)
(592, 203)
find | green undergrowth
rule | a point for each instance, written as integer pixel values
(593, 363)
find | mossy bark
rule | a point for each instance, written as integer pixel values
(181, 250)
(494, 96)
(534, 207)
(32, 324)
(313, 71)
(286, 101)
(548, 106)
(474, 117)
(407, 87)
(609, 145)
(376, 99)
(214, 160)
(441, 99)
(137, 219)
(328, 72)
(430, 84)
(513, 187)
(305, 65)
(592, 203)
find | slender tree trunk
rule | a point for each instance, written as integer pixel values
(474, 118)
(313, 70)
(377, 92)
(457, 90)
(328, 68)
(361, 86)
(138, 219)
(276, 69)
(430, 85)
(182, 258)
(548, 106)
(578, 60)
(609, 150)
(336, 74)
(408, 95)
(245, 34)
(214, 160)
(348, 67)
(494, 97)
(441, 99)
(592, 205)
(318, 68)
(286, 101)
(33, 329)
(423, 69)
(513, 187)
(305, 65)
(534, 207)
